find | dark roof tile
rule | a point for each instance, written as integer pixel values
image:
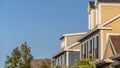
(115, 39)
(92, 5)
(109, 1)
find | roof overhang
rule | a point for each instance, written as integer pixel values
(103, 62)
(59, 53)
(63, 51)
(91, 6)
(93, 30)
(106, 1)
(116, 57)
(72, 34)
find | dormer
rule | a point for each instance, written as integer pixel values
(69, 39)
(107, 9)
(91, 15)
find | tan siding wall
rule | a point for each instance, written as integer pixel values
(76, 47)
(72, 39)
(108, 12)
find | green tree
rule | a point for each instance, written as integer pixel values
(19, 58)
(84, 63)
(13, 60)
(44, 65)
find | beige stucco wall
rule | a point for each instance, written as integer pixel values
(108, 12)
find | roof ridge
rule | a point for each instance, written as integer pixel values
(109, 1)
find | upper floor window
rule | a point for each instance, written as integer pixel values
(96, 43)
(90, 48)
(93, 46)
(87, 52)
(82, 53)
(84, 50)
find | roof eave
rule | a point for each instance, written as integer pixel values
(62, 51)
(93, 30)
(116, 57)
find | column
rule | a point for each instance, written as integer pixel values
(67, 58)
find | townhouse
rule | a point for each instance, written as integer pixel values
(70, 50)
(102, 41)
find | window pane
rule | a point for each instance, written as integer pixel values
(85, 50)
(90, 46)
(96, 47)
(93, 47)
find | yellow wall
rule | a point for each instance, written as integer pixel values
(115, 25)
(109, 51)
(104, 39)
(94, 19)
(115, 29)
(108, 12)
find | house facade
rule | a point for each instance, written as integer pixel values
(101, 42)
(70, 50)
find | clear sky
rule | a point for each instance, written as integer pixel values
(40, 23)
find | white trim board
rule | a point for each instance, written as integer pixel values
(112, 46)
(109, 21)
(94, 29)
(101, 39)
(73, 50)
(108, 34)
(74, 34)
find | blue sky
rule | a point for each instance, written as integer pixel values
(40, 23)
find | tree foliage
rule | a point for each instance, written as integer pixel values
(84, 63)
(45, 63)
(19, 58)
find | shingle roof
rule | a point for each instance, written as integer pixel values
(92, 5)
(115, 39)
(110, 1)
